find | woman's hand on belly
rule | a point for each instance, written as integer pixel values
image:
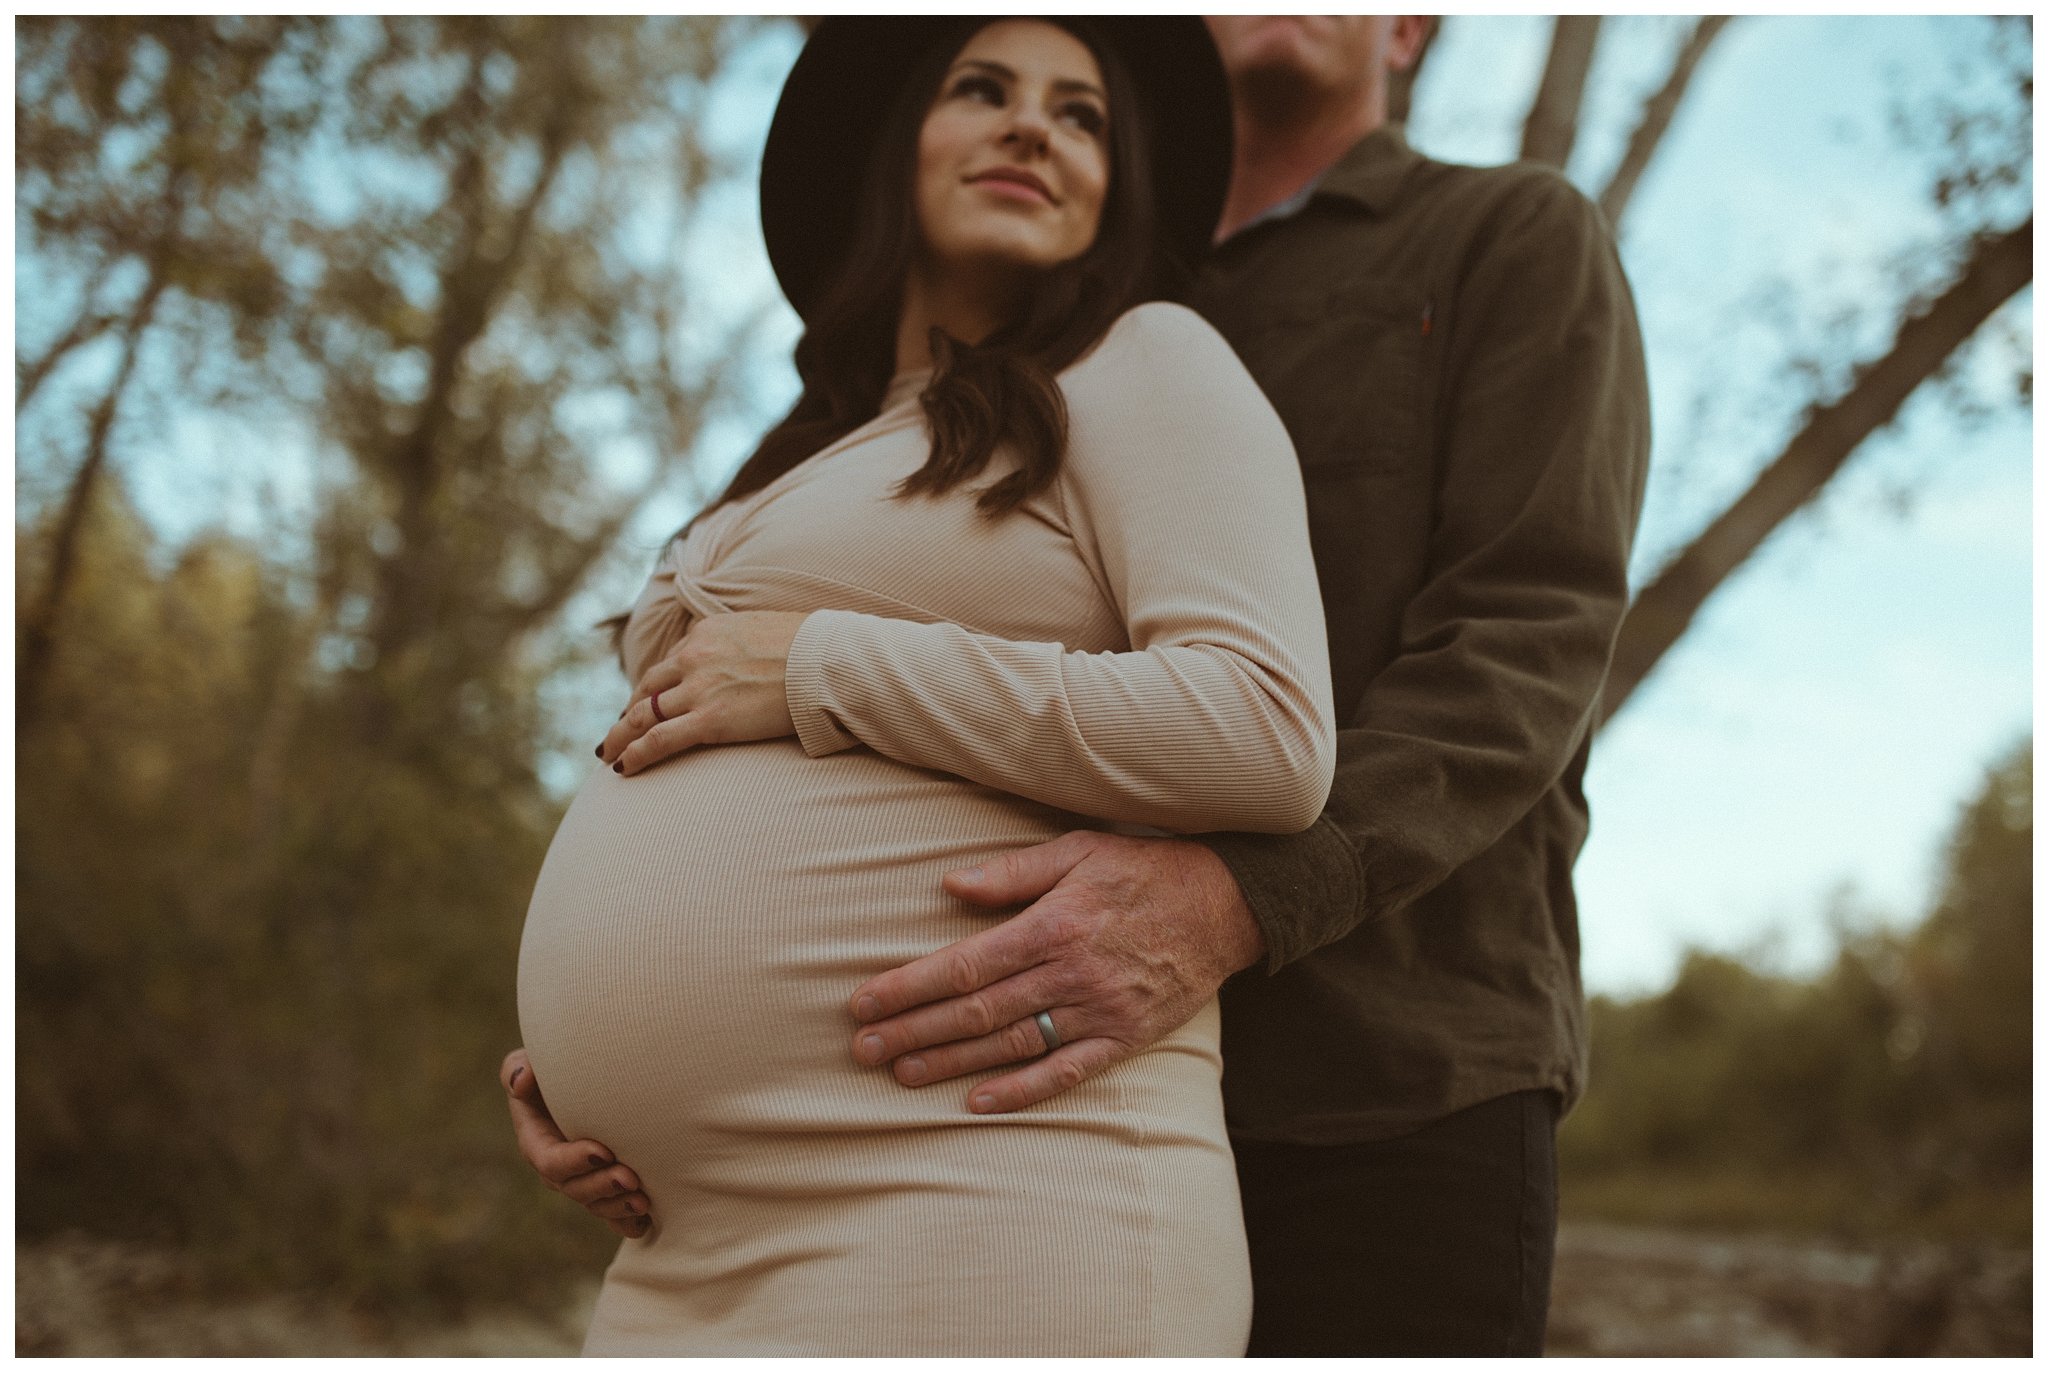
(723, 683)
(581, 1170)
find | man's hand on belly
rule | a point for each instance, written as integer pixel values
(582, 1170)
(1124, 940)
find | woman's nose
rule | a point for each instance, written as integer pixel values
(1028, 128)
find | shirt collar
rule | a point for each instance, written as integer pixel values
(1281, 210)
(1371, 173)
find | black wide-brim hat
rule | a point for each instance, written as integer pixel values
(847, 77)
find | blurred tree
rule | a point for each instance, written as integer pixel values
(1655, 118)
(1998, 266)
(1971, 972)
(142, 148)
(1989, 150)
(460, 345)
(280, 808)
(457, 239)
(1552, 125)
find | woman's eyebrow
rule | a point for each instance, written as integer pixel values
(1063, 84)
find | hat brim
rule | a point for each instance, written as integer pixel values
(851, 70)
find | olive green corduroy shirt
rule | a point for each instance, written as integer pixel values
(1455, 353)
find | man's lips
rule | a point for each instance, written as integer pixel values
(1016, 176)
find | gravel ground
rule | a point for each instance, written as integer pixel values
(1633, 1291)
(83, 1297)
(1618, 1291)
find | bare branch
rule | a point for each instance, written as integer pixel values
(1553, 123)
(1656, 117)
(472, 286)
(682, 415)
(89, 325)
(2001, 265)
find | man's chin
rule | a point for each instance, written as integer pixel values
(1282, 59)
(1279, 80)
(1290, 60)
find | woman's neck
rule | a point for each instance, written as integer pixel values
(969, 307)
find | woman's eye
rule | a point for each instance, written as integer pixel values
(1085, 117)
(981, 88)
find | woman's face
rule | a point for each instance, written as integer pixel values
(1013, 156)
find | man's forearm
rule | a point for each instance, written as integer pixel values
(1452, 748)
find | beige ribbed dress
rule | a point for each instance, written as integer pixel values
(1142, 643)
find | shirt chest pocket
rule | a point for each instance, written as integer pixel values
(1344, 366)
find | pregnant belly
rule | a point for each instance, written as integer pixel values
(696, 931)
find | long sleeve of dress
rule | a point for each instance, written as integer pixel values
(1181, 490)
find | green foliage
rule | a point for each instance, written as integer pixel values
(454, 251)
(1892, 1092)
(279, 810)
(268, 1034)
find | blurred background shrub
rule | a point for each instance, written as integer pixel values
(279, 807)
(1893, 1094)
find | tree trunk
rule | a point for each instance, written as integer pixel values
(39, 630)
(472, 287)
(1656, 117)
(1553, 123)
(2001, 265)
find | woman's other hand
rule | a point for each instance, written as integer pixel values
(582, 1170)
(722, 684)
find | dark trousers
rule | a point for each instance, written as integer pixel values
(1438, 1242)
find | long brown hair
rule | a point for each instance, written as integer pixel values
(981, 394)
(1004, 388)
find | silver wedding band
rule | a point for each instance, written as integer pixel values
(1052, 1036)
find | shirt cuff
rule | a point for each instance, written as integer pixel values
(1305, 890)
(804, 689)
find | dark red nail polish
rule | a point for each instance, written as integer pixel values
(600, 750)
(597, 1160)
(619, 768)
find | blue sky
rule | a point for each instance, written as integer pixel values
(1839, 699)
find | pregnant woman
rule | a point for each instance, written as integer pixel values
(1028, 553)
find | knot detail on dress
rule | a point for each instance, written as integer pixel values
(688, 561)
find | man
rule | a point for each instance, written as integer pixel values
(1455, 354)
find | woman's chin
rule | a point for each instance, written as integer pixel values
(1002, 254)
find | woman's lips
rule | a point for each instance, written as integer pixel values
(1015, 186)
